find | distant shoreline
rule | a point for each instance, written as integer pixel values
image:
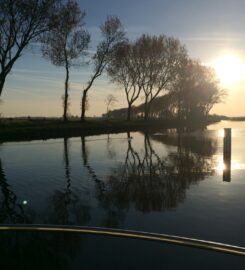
(34, 129)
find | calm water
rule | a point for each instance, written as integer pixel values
(165, 182)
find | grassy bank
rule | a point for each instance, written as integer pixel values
(22, 130)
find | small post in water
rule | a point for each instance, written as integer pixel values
(227, 155)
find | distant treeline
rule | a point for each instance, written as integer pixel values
(167, 107)
(154, 68)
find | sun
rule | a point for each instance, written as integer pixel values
(230, 69)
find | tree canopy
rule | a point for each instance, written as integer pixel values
(197, 90)
(148, 65)
(22, 22)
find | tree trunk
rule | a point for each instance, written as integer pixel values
(84, 105)
(107, 111)
(84, 152)
(67, 164)
(66, 95)
(2, 81)
(129, 112)
(146, 116)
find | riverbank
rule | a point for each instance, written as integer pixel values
(25, 130)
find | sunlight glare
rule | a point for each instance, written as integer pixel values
(221, 166)
(221, 133)
(230, 69)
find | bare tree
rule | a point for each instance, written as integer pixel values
(67, 42)
(112, 33)
(159, 61)
(110, 102)
(22, 22)
(122, 71)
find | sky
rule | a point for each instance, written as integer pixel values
(212, 31)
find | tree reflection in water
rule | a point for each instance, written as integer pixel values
(152, 183)
(10, 210)
(68, 206)
(114, 216)
(38, 250)
(146, 181)
(111, 153)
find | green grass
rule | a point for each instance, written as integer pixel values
(28, 129)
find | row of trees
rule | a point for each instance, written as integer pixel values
(159, 66)
(59, 26)
(190, 96)
(150, 66)
(66, 43)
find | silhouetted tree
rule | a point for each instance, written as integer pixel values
(191, 95)
(112, 33)
(110, 101)
(122, 70)
(65, 43)
(23, 22)
(159, 60)
(197, 90)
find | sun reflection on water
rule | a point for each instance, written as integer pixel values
(221, 166)
(221, 133)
